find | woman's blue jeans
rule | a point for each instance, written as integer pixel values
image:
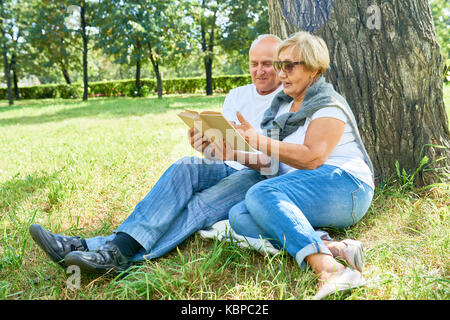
(286, 209)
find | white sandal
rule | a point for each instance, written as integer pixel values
(348, 280)
(354, 254)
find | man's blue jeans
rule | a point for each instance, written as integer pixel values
(286, 209)
(191, 195)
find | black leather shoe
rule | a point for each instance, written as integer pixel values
(103, 260)
(55, 246)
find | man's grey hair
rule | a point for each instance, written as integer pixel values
(265, 36)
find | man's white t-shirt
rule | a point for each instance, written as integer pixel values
(251, 105)
(346, 155)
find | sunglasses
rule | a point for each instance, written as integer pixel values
(286, 66)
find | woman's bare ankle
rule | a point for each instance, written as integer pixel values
(330, 274)
(325, 266)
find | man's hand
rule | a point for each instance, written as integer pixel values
(197, 140)
(220, 150)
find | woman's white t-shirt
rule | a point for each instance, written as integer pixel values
(346, 155)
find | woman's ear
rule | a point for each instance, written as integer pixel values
(315, 74)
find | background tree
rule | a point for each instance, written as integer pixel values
(140, 31)
(441, 17)
(5, 16)
(163, 32)
(17, 43)
(246, 20)
(386, 61)
(118, 36)
(79, 18)
(51, 43)
(226, 28)
(205, 14)
(85, 39)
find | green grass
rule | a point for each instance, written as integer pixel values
(79, 168)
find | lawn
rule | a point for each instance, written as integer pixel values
(79, 168)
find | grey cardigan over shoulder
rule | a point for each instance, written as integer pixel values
(320, 95)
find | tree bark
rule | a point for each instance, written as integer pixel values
(85, 50)
(64, 62)
(207, 48)
(15, 79)
(209, 80)
(138, 67)
(156, 70)
(385, 60)
(66, 75)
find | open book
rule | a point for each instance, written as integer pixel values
(215, 126)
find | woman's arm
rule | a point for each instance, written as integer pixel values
(322, 136)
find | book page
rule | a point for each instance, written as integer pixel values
(193, 119)
(225, 130)
(215, 126)
(189, 117)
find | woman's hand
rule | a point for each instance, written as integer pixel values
(246, 130)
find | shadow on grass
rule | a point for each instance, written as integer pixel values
(33, 104)
(108, 108)
(17, 190)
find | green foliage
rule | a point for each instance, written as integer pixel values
(128, 88)
(51, 44)
(441, 16)
(46, 91)
(406, 180)
(246, 20)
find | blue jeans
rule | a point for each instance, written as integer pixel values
(191, 195)
(286, 209)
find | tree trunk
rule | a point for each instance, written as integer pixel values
(66, 75)
(386, 62)
(159, 87)
(156, 70)
(64, 62)
(15, 80)
(209, 80)
(7, 76)
(85, 50)
(138, 68)
(207, 48)
(5, 58)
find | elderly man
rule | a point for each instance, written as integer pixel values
(191, 195)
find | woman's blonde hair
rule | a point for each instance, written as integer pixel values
(312, 49)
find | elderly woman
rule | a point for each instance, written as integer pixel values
(325, 177)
